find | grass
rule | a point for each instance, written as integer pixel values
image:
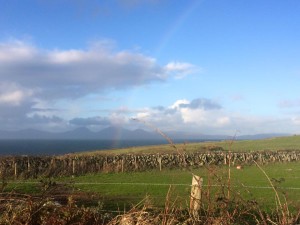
(121, 189)
(249, 176)
(271, 144)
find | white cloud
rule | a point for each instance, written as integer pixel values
(179, 102)
(14, 97)
(200, 112)
(143, 115)
(184, 114)
(214, 119)
(64, 57)
(12, 94)
(16, 51)
(180, 69)
(296, 120)
(221, 121)
(205, 118)
(75, 73)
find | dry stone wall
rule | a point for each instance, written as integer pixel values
(33, 167)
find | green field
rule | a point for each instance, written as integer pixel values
(271, 144)
(123, 190)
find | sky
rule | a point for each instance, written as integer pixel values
(200, 66)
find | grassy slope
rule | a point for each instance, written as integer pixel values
(273, 144)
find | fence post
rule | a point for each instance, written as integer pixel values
(28, 165)
(135, 163)
(122, 165)
(159, 162)
(73, 166)
(53, 163)
(16, 170)
(105, 165)
(195, 201)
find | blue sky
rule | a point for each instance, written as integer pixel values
(212, 67)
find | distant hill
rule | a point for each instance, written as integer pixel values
(261, 136)
(119, 133)
(83, 133)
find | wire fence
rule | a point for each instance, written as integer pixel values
(162, 184)
(115, 204)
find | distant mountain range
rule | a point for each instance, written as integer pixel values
(119, 133)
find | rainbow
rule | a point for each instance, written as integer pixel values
(173, 29)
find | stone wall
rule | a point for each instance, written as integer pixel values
(27, 167)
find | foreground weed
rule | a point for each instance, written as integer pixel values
(282, 215)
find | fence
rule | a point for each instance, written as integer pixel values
(191, 192)
(78, 165)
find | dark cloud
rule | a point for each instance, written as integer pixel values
(165, 110)
(98, 121)
(170, 111)
(36, 109)
(201, 103)
(40, 119)
(159, 108)
(19, 117)
(75, 73)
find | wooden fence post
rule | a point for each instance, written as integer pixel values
(53, 163)
(135, 163)
(28, 165)
(105, 165)
(16, 170)
(195, 201)
(159, 162)
(122, 165)
(73, 166)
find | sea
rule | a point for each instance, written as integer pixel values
(61, 147)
